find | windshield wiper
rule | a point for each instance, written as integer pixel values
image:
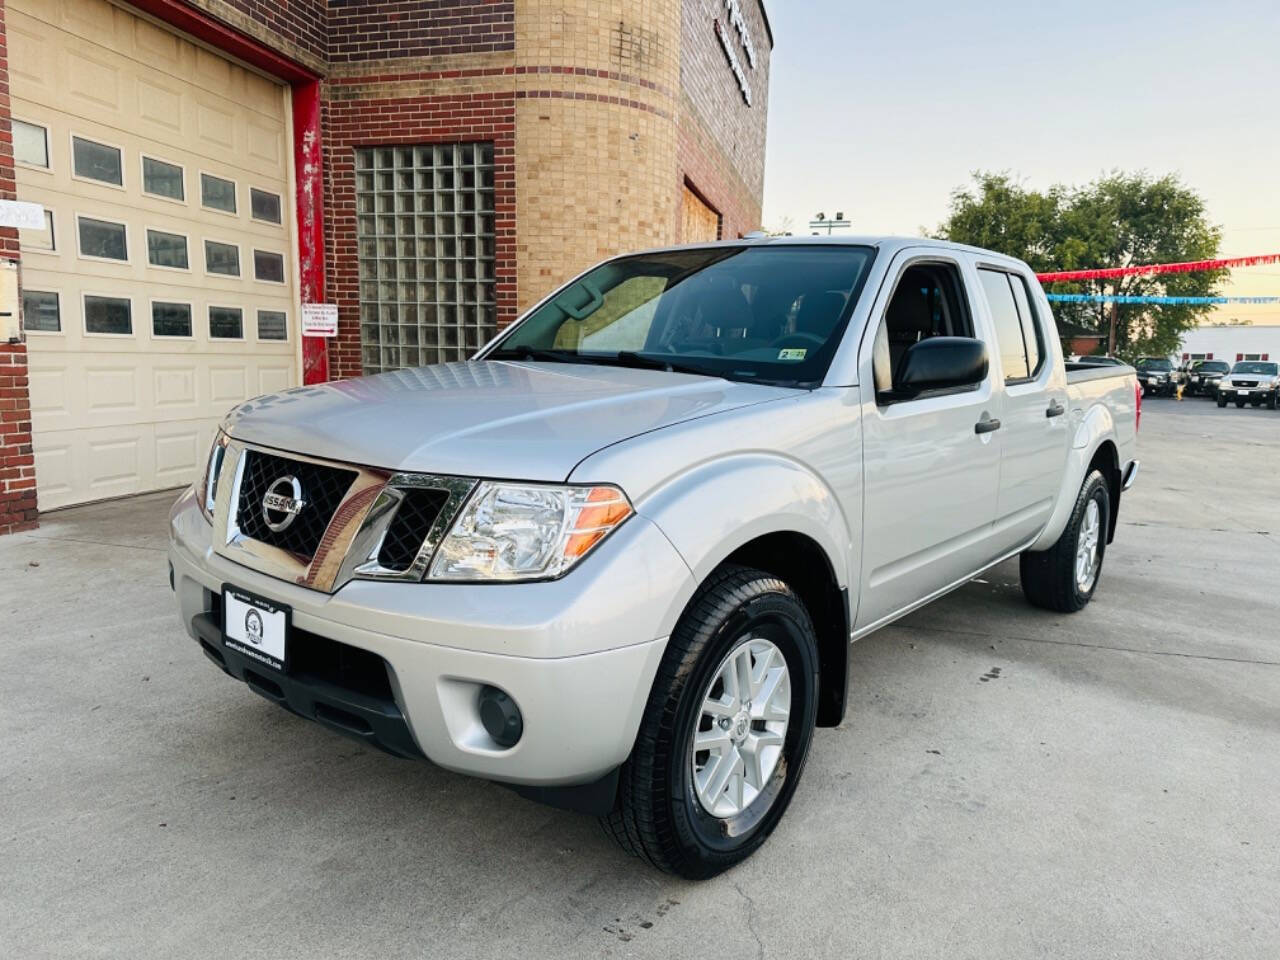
(629, 358)
(525, 352)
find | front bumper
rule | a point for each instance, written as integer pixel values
(578, 655)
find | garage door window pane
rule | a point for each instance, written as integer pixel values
(108, 315)
(217, 194)
(97, 161)
(30, 144)
(103, 239)
(265, 205)
(268, 266)
(272, 325)
(226, 323)
(162, 179)
(426, 243)
(167, 250)
(40, 311)
(222, 258)
(39, 239)
(171, 319)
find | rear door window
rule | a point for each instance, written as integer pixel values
(1004, 315)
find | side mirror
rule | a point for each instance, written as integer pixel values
(941, 363)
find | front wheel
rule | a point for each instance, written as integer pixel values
(1272, 400)
(1064, 577)
(1222, 402)
(726, 731)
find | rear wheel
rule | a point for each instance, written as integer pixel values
(726, 731)
(1064, 577)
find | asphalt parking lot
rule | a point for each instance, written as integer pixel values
(1007, 783)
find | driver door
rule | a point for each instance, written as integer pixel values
(931, 478)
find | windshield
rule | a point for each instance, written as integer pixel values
(1258, 369)
(1212, 366)
(1148, 363)
(761, 314)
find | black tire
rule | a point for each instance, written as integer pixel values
(658, 816)
(1049, 576)
(1222, 402)
(1272, 400)
(1240, 404)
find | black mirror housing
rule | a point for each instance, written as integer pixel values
(942, 363)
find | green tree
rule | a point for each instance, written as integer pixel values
(1119, 220)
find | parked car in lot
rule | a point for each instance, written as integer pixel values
(1203, 376)
(1157, 376)
(1251, 381)
(617, 560)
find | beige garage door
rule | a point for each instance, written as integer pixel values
(163, 289)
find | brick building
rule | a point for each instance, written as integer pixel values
(206, 167)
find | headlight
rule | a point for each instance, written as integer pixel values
(207, 492)
(527, 531)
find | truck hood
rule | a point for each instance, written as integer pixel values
(528, 421)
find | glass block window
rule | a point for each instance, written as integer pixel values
(425, 235)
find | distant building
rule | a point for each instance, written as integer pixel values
(1230, 343)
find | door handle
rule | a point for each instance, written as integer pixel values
(989, 425)
(1055, 409)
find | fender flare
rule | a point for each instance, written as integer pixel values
(774, 495)
(1093, 429)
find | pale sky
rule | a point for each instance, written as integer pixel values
(881, 110)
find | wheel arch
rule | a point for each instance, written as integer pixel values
(801, 562)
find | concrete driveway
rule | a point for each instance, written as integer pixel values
(1008, 782)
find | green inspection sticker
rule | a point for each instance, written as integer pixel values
(792, 353)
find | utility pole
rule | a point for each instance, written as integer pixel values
(1111, 338)
(822, 223)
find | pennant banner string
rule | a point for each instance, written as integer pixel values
(1162, 301)
(1194, 266)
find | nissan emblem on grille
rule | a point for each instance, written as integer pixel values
(283, 502)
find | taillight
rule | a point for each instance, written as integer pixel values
(1137, 401)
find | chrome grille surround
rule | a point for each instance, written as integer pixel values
(351, 543)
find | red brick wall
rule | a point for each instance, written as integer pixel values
(348, 124)
(303, 23)
(383, 29)
(17, 468)
(722, 138)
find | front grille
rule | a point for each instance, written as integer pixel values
(409, 527)
(323, 488)
(1246, 383)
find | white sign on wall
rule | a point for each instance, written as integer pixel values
(319, 319)
(24, 216)
(739, 25)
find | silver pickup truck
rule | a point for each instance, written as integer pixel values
(617, 560)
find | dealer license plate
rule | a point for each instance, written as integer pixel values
(255, 626)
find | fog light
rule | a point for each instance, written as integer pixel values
(500, 716)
